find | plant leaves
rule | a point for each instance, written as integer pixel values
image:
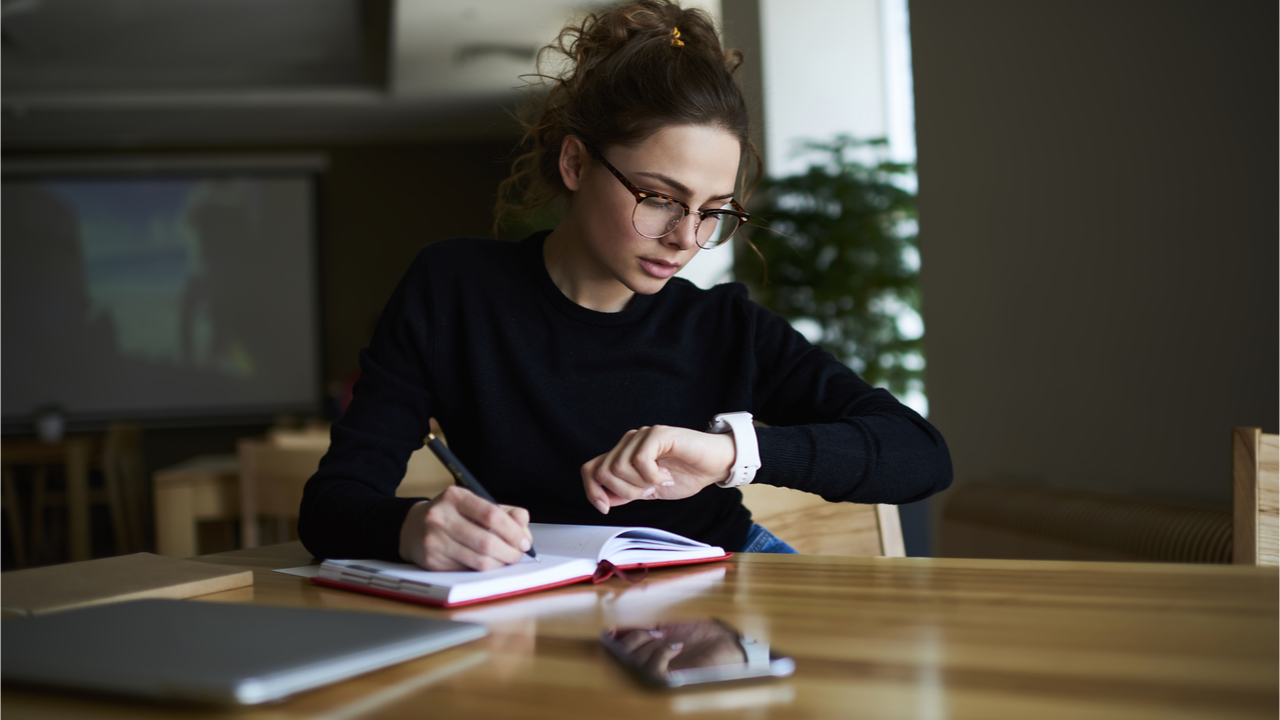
(836, 240)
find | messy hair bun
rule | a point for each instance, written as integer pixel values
(628, 72)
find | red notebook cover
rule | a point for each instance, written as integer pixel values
(418, 599)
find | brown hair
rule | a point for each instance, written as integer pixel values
(631, 71)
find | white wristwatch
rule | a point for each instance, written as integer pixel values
(747, 460)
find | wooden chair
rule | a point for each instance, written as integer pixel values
(117, 454)
(814, 526)
(13, 517)
(125, 481)
(271, 482)
(1255, 505)
(72, 456)
(274, 470)
(197, 503)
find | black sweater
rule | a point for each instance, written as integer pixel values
(527, 386)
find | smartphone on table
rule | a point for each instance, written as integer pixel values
(693, 652)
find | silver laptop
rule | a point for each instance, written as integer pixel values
(213, 652)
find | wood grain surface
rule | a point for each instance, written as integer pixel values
(1255, 499)
(1268, 499)
(872, 638)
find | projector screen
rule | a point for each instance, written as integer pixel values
(158, 297)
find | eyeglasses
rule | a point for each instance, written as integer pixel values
(657, 214)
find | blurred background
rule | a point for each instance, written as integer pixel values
(206, 205)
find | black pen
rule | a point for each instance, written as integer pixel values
(463, 475)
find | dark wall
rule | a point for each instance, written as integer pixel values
(1098, 220)
(379, 206)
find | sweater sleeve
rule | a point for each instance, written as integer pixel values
(349, 507)
(830, 432)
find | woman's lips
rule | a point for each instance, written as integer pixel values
(661, 269)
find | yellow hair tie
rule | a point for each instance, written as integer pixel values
(675, 37)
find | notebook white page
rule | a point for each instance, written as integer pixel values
(564, 552)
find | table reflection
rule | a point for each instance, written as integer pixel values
(689, 652)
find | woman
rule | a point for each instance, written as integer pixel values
(573, 374)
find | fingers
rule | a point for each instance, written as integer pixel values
(660, 662)
(645, 462)
(461, 531)
(616, 473)
(656, 654)
(597, 495)
(521, 517)
(633, 640)
(629, 471)
(487, 519)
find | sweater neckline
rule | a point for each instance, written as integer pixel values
(635, 310)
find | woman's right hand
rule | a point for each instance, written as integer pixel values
(459, 530)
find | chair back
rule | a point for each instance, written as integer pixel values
(125, 476)
(1255, 501)
(274, 470)
(271, 482)
(814, 526)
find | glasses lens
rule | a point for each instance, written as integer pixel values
(655, 217)
(716, 229)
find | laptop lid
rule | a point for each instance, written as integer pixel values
(219, 653)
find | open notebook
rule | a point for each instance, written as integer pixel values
(566, 554)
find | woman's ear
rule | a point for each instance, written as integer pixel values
(573, 162)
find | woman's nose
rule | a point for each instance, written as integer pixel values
(685, 235)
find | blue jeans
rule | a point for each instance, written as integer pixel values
(760, 540)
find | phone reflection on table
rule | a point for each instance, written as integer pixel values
(692, 652)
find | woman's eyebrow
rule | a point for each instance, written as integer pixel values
(679, 186)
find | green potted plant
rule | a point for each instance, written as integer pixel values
(838, 245)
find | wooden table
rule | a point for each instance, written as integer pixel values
(872, 638)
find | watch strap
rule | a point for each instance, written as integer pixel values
(747, 448)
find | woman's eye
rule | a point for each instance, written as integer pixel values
(656, 203)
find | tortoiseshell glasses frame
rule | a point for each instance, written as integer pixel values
(739, 216)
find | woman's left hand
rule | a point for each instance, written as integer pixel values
(657, 463)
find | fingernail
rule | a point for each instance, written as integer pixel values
(648, 492)
(603, 507)
(656, 633)
(525, 545)
(676, 645)
(669, 483)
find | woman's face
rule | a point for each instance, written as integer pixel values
(695, 163)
